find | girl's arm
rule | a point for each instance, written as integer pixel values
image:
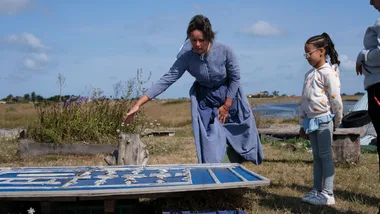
(332, 85)
(302, 115)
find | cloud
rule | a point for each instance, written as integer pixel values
(35, 61)
(346, 63)
(13, 6)
(26, 41)
(35, 51)
(263, 28)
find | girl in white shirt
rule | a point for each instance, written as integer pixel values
(321, 111)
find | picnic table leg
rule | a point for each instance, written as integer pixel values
(109, 206)
(45, 207)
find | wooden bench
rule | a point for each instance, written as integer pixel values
(160, 133)
(346, 142)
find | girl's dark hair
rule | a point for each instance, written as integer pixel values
(324, 41)
(201, 23)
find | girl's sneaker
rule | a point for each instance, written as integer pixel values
(322, 198)
(310, 195)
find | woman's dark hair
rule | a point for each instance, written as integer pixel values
(201, 23)
(324, 41)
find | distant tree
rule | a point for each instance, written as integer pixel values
(344, 94)
(33, 96)
(60, 82)
(359, 94)
(54, 98)
(284, 95)
(39, 98)
(27, 97)
(276, 93)
(9, 98)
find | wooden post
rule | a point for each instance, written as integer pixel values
(121, 152)
(3, 207)
(45, 207)
(346, 146)
(131, 151)
(109, 206)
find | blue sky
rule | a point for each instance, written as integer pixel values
(95, 44)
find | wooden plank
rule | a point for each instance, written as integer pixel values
(293, 131)
(160, 133)
(212, 174)
(90, 190)
(349, 131)
(131, 192)
(30, 148)
(237, 174)
(278, 131)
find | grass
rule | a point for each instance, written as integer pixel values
(287, 164)
(290, 172)
(17, 115)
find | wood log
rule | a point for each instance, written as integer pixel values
(346, 148)
(131, 151)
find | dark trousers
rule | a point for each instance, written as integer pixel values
(374, 111)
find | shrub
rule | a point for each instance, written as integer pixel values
(95, 119)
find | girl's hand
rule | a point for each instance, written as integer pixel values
(302, 133)
(223, 114)
(130, 115)
(359, 69)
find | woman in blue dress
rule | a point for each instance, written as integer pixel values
(220, 111)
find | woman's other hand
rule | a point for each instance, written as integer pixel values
(302, 133)
(223, 114)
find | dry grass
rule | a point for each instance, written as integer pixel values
(290, 172)
(260, 101)
(168, 112)
(16, 115)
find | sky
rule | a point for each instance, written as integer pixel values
(95, 44)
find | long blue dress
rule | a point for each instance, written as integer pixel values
(217, 76)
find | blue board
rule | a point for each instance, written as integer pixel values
(123, 180)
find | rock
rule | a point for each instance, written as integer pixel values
(12, 134)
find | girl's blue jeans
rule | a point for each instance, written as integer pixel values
(321, 143)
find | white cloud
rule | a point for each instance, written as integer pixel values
(36, 57)
(13, 6)
(346, 63)
(35, 61)
(263, 28)
(28, 41)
